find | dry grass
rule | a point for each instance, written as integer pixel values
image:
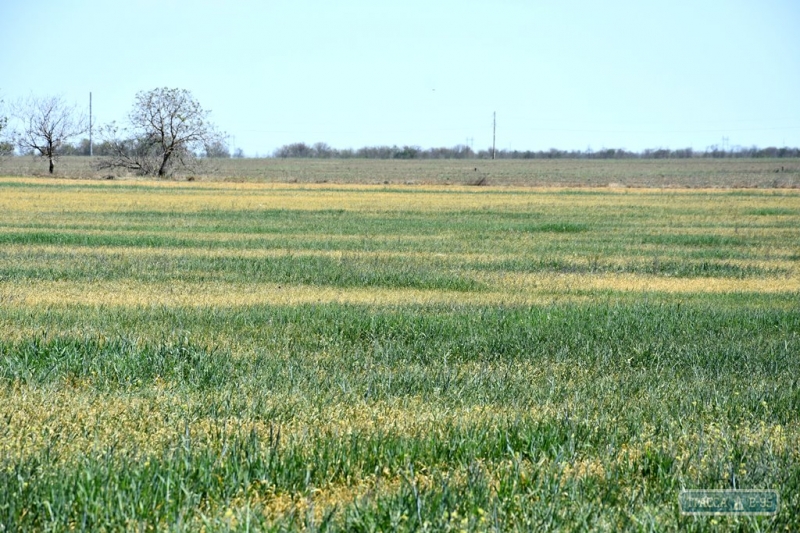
(747, 173)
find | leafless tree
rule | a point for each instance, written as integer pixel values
(3, 119)
(167, 128)
(6, 148)
(47, 123)
(217, 149)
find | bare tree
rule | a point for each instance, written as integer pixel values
(167, 128)
(300, 149)
(47, 123)
(217, 149)
(322, 150)
(6, 148)
(3, 119)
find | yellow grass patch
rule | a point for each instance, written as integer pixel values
(22, 250)
(94, 196)
(504, 288)
(73, 421)
(571, 284)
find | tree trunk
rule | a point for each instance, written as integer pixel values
(52, 164)
(162, 170)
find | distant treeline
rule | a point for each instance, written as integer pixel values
(322, 150)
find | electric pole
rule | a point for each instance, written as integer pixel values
(494, 131)
(90, 125)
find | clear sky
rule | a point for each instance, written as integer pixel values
(559, 74)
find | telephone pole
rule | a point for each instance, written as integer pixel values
(494, 131)
(90, 124)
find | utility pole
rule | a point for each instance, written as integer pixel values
(494, 131)
(91, 153)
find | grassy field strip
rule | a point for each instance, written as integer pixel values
(572, 283)
(759, 248)
(83, 196)
(207, 243)
(142, 424)
(23, 250)
(780, 262)
(517, 289)
(762, 173)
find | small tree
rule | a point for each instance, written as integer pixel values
(6, 148)
(167, 128)
(217, 149)
(322, 150)
(300, 149)
(3, 120)
(47, 124)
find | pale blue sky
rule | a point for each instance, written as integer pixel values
(563, 74)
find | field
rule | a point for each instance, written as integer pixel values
(241, 355)
(659, 173)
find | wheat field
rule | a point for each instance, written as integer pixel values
(256, 354)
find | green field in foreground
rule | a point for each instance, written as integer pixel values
(218, 356)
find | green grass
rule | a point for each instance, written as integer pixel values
(306, 270)
(588, 410)
(519, 358)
